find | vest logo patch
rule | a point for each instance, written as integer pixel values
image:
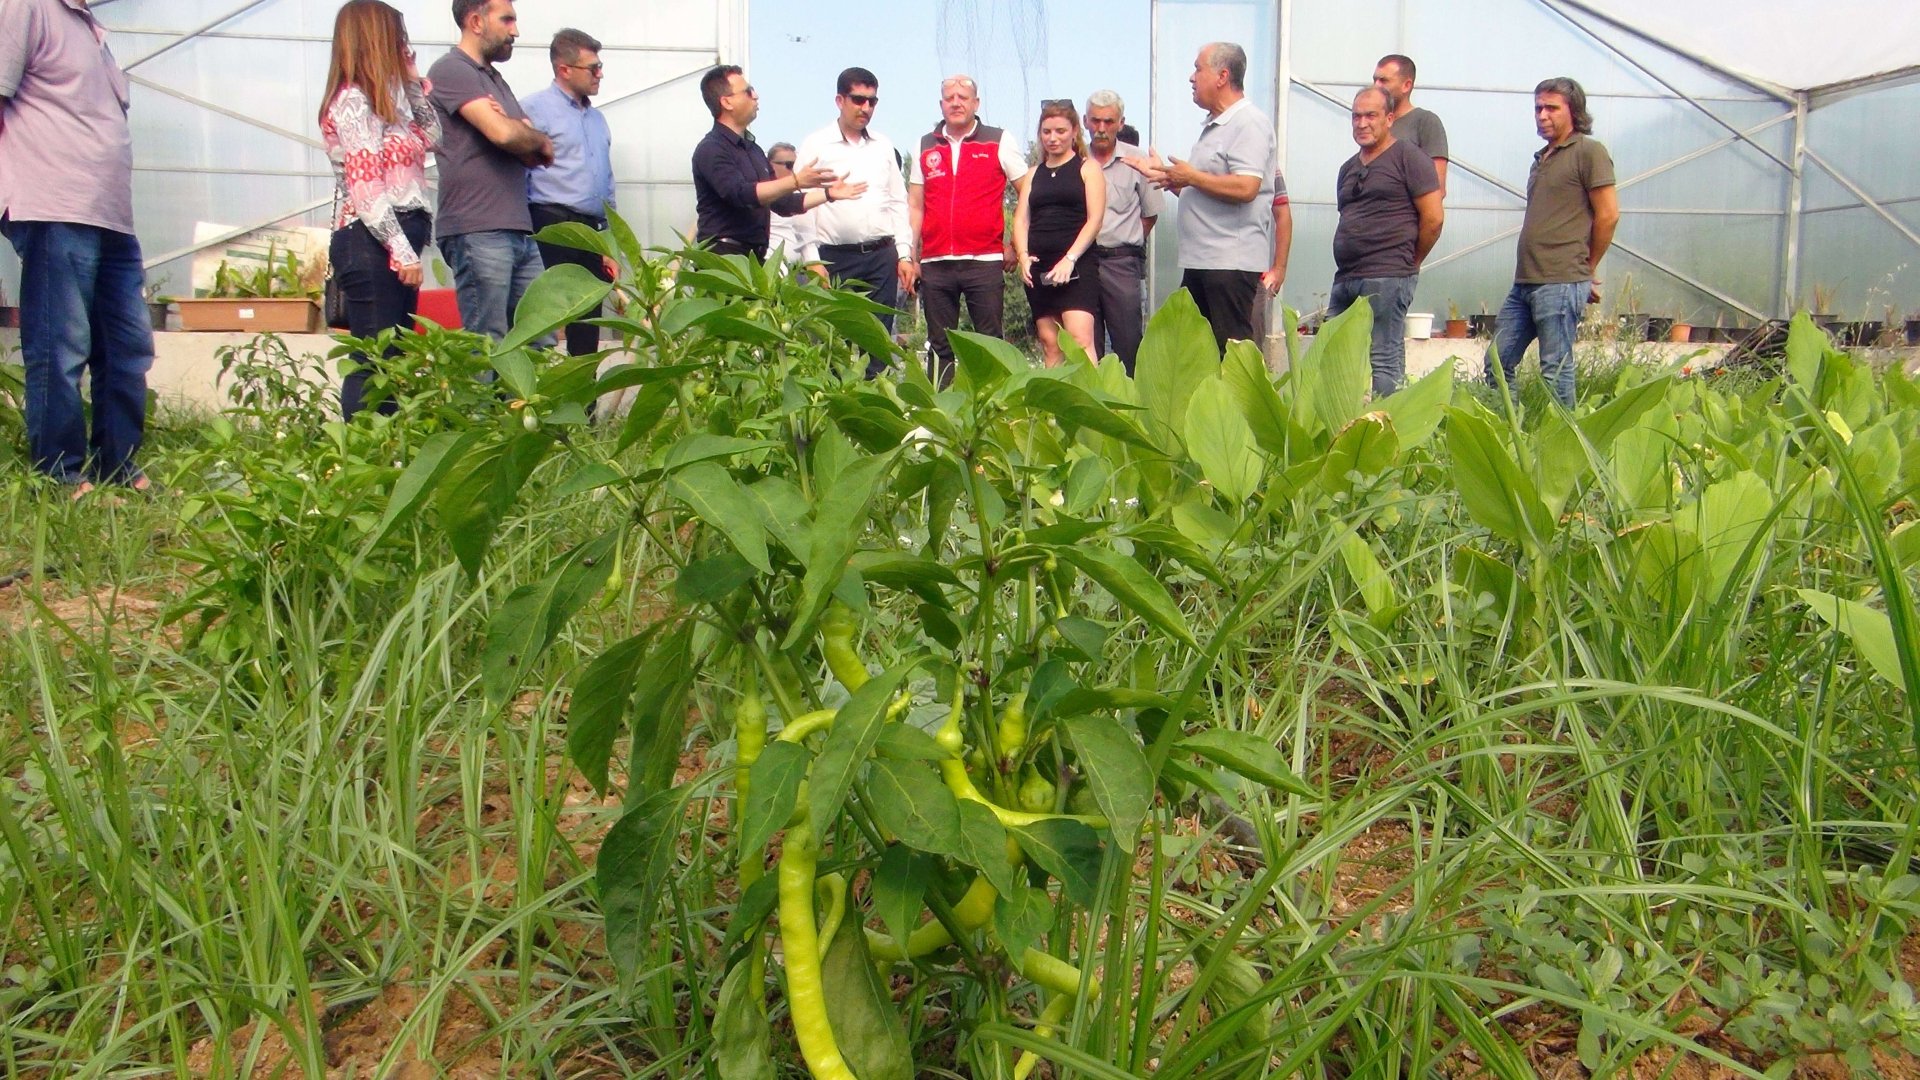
(932, 165)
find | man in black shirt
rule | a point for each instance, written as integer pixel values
(1390, 218)
(734, 188)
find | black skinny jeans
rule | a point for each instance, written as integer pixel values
(375, 297)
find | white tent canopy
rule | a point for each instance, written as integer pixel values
(1787, 46)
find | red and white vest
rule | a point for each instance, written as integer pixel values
(965, 212)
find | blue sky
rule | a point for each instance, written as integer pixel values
(1074, 47)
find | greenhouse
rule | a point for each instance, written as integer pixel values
(621, 649)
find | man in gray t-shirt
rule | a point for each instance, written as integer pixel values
(486, 147)
(1394, 74)
(1226, 197)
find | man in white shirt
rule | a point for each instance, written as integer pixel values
(866, 239)
(957, 201)
(790, 235)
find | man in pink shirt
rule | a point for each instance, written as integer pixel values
(66, 206)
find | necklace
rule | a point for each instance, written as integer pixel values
(1053, 171)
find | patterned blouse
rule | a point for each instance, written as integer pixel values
(380, 167)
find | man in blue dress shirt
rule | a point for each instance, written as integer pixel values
(578, 186)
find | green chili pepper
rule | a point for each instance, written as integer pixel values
(1012, 736)
(800, 942)
(837, 630)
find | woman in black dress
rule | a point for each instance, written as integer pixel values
(1061, 205)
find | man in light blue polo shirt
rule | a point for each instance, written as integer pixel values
(1226, 197)
(578, 186)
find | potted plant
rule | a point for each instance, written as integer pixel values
(9, 315)
(1822, 313)
(1456, 326)
(156, 304)
(1913, 327)
(281, 295)
(1659, 327)
(1483, 324)
(1681, 331)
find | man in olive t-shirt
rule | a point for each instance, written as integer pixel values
(1571, 213)
(1394, 74)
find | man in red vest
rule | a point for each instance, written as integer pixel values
(956, 204)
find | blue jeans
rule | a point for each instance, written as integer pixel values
(491, 272)
(81, 308)
(1390, 297)
(1550, 314)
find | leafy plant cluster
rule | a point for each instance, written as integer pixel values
(909, 699)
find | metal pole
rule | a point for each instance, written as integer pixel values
(224, 111)
(1859, 193)
(1772, 90)
(1153, 141)
(1796, 205)
(1282, 95)
(221, 238)
(191, 34)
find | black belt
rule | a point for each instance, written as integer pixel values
(862, 248)
(1121, 249)
(568, 213)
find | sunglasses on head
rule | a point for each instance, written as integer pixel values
(864, 100)
(1059, 102)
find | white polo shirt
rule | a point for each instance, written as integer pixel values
(879, 211)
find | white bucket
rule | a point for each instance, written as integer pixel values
(1419, 325)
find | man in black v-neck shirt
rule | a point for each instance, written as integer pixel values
(734, 189)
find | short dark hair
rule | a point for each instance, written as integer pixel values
(1575, 98)
(1403, 64)
(569, 43)
(714, 84)
(462, 9)
(855, 76)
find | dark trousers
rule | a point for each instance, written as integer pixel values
(1228, 299)
(376, 299)
(1123, 272)
(877, 269)
(942, 285)
(582, 337)
(81, 309)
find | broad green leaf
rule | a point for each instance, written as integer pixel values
(1076, 408)
(437, 457)
(984, 361)
(850, 742)
(1642, 461)
(863, 330)
(1116, 768)
(1368, 446)
(742, 1041)
(711, 580)
(1021, 917)
(599, 705)
(1245, 372)
(1668, 565)
(703, 446)
(624, 237)
(984, 841)
(517, 371)
(909, 800)
(1726, 518)
(1067, 849)
(1218, 438)
(573, 234)
(1335, 374)
(726, 326)
(660, 712)
(866, 1025)
(1247, 754)
(775, 778)
(751, 912)
(594, 474)
(534, 614)
(1482, 575)
(678, 314)
(840, 516)
(632, 867)
(560, 295)
(649, 405)
(904, 742)
(1376, 588)
(899, 887)
(1561, 447)
(1495, 491)
(1130, 584)
(1807, 347)
(1176, 354)
(1088, 638)
(1084, 700)
(1416, 408)
(721, 502)
(1868, 628)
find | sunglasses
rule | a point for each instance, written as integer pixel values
(747, 90)
(1049, 103)
(595, 68)
(785, 163)
(864, 100)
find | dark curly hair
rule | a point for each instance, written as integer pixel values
(1575, 98)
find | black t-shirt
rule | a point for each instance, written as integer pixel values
(1379, 224)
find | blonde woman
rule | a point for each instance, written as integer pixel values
(378, 125)
(1062, 202)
